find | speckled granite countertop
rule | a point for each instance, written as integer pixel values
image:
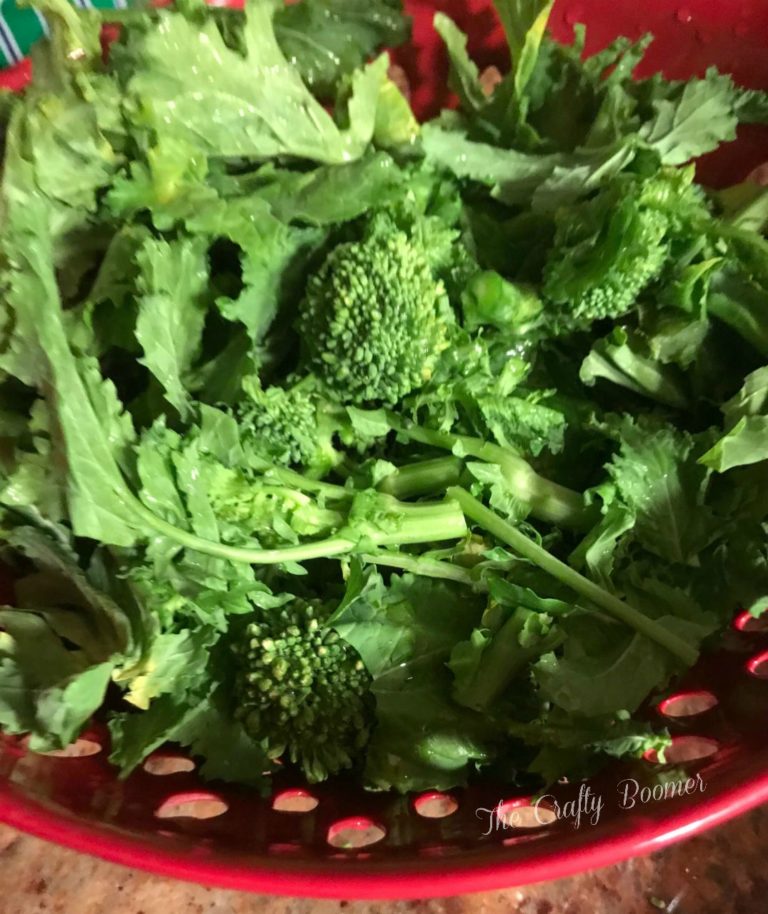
(722, 872)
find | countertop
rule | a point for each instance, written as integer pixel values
(720, 872)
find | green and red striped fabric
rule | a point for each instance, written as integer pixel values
(21, 27)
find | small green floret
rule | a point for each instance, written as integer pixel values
(273, 514)
(639, 264)
(608, 250)
(599, 276)
(289, 426)
(280, 424)
(303, 691)
(375, 319)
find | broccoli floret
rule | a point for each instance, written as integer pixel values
(375, 319)
(602, 261)
(303, 692)
(288, 426)
(607, 250)
(641, 259)
(280, 424)
(274, 514)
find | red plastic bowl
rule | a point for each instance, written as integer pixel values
(337, 841)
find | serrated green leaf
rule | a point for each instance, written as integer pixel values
(172, 309)
(190, 85)
(404, 634)
(697, 121)
(464, 78)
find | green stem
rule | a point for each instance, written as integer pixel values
(505, 657)
(420, 524)
(620, 610)
(548, 500)
(424, 478)
(304, 484)
(427, 568)
(335, 545)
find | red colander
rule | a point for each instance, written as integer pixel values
(335, 840)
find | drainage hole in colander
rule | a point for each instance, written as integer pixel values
(435, 805)
(355, 832)
(295, 800)
(687, 704)
(81, 748)
(192, 806)
(746, 622)
(522, 813)
(685, 749)
(162, 764)
(758, 666)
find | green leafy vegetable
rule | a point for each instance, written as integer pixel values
(404, 634)
(328, 39)
(746, 441)
(338, 442)
(188, 81)
(464, 77)
(701, 117)
(169, 325)
(525, 23)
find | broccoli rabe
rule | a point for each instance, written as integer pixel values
(737, 290)
(546, 500)
(608, 249)
(279, 424)
(375, 319)
(287, 426)
(302, 691)
(382, 361)
(273, 514)
(373, 519)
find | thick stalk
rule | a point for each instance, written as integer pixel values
(336, 545)
(419, 524)
(548, 500)
(577, 582)
(424, 478)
